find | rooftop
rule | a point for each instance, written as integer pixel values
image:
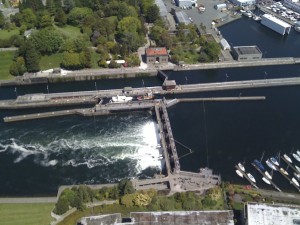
(276, 20)
(275, 214)
(246, 50)
(162, 8)
(182, 17)
(156, 51)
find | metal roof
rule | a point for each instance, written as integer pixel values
(276, 20)
(182, 17)
(246, 50)
(275, 214)
(162, 8)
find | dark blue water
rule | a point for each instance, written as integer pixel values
(38, 156)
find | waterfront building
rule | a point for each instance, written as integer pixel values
(292, 4)
(224, 44)
(275, 24)
(156, 55)
(182, 17)
(224, 217)
(275, 214)
(169, 84)
(246, 53)
(243, 3)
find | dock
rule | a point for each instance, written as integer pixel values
(263, 174)
(289, 164)
(245, 176)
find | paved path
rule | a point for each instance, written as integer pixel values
(28, 200)
(281, 196)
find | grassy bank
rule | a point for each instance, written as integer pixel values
(50, 62)
(5, 62)
(5, 34)
(26, 214)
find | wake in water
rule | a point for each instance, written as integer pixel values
(103, 142)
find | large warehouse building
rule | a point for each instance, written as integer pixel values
(246, 53)
(243, 2)
(186, 3)
(275, 24)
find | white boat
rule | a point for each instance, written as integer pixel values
(298, 152)
(297, 168)
(295, 181)
(241, 166)
(120, 99)
(239, 173)
(266, 180)
(287, 158)
(268, 175)
(251, 177)
(256, 18)
(296, 156)
(274, 161)
(247, 13)
(297, 175)
(284, 171)
(270, 164)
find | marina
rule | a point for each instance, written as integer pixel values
(246, 176)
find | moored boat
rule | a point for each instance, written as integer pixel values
(298, 152)
(297, 168)
(295, 181)
(266, 180)
(148, 96)
(270, 164)
(274, 161)
(239, 173)
(259, 165)
(297, 29)
(268, 175)
(297, 175)
(284, 171)
(241, 166)
(256, 18)
(120, 99)
(251, 177)
(287, 158)
(296, 156)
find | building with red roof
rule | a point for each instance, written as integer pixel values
(156, 55)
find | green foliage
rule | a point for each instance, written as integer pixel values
(129, 24)
(45, 21)
(2, 20)
(68, 5)
(18, 67)
(161, 36)
(60, 17)
(77, 45)
(32, 57)
(125, 187)
(213, 50)
(62, 205)
(77, 15)
(46, 41)
(133, 60)
(71, 61)
(35, 5)
(51, 7)
(27, 18)
(152, 14)
(5, 62)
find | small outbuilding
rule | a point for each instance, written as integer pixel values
(246, 53)
(157, 55)
(224, 44)
(169, 85)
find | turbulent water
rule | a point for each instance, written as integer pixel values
(117, 146)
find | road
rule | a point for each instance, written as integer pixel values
(22, 200)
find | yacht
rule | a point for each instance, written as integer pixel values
(259, 165)
(284, 171)
(251, 177)
(268, 175)
(274, 161)
(297, 175)
(271, 165)
(266, 180)
(298, 152)
(287, 158)
(296, 156)
(295, 181)
(297, 168)
(239, 173)
(120, 99)
(241, 166)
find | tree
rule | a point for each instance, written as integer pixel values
(212, 49)
(125, 187)
(32, 58)
(77, 15)
(51, 7)
(18, 67)
(152, 14)
(68, 5)
(2, 20)
(47, 41)
(86, 58)
(46, 21)
(60, 17)
(61, 206)
(71, 61)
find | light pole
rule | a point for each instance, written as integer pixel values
(16, 92)
(47, 88)
(96, 86)
(186, 80)
(143, 82)
(266, 74)
(226, 76)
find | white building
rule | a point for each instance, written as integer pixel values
(275, 214)
(275, 24)
(224, 44)
(243, 2)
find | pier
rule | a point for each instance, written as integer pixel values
(263, 174)
(289, 164)
(246, 176)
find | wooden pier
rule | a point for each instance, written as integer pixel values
(263, 174)
(289, 164)
(246, 176)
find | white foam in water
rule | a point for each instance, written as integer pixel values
(137, 142)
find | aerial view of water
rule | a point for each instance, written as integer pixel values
(38, 156)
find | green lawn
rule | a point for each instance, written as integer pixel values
(69, 31)
(52, 61)
(5, 62)
(26, 214)
(5, 34)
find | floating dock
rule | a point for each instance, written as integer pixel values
(263, 174)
